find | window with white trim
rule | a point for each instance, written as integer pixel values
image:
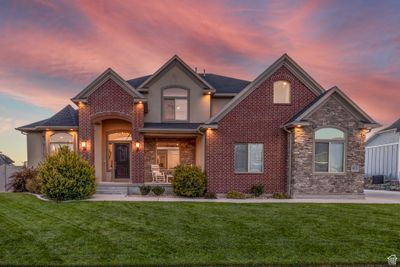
(175, 104)
(249, 158)
(329, 150)
(58, 140)
(282, 92)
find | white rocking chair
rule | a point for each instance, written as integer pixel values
(157, 175)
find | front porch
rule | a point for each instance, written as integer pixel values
(115, 152)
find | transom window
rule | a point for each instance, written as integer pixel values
(58, 140)
(282, 92)
(329, 150)
(249, 158)
(175, 101)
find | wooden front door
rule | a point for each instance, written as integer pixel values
(121, 169)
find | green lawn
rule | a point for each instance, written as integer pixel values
(37, 232)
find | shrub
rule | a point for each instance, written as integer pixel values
(20, 180)
(189, 181)
(145, 189)
(279, 195)
(33, 186)
(66, 176)
(235, 195)
(257, 190)
(158, 190)
(210, 195)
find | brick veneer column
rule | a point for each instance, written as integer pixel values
(85, 133)
(137, 156)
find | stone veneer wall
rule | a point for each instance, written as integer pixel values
(304, 181)
(187, 152)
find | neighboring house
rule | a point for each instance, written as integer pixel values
(7, 168)
(382, 155)
(282, 130)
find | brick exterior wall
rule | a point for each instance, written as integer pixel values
(304, 180)
(187, 152)
(255, 120)
(111, 101)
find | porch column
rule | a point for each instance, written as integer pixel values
(137, 170)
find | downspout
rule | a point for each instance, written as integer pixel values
(289, 161)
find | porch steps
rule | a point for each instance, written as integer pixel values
(112, 189)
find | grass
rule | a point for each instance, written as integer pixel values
(128, 233)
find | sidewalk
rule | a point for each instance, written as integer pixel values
(371, 197)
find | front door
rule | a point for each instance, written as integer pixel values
(121, 160)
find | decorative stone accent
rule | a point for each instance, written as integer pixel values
(304, 180)
(187, 152)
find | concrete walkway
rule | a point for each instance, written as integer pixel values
(371, 197)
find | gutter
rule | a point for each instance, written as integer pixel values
(289, 161)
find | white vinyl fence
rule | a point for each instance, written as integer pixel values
(5, 172)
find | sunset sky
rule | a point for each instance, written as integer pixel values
(50, 50)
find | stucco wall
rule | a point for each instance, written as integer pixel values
(199, 104)
(218, 103)
(304, 181)
(36, 148)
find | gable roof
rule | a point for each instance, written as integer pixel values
(67, 118)
(101, 79)
(221, 84)
(284, 60)
(173, 60)
(300, 117)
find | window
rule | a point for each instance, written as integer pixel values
(58, 140)
(115, 138)
(281, 92)
(175, 104)
(329, 150)
(249, 158)
(168, 155)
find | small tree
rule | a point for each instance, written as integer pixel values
(189, 181)
(66, 176)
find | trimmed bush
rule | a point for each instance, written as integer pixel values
(279, 195)
(145, 189)
(158, 190)
(257, 190)
(189, 181)
(23, 181)
(235, 195)
(210, 195)
(66, 176)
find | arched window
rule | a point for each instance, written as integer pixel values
(329, 150)
(175, 104)
(281, 92)
(58, 140)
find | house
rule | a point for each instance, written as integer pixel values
(382, 154)
(282, 130)
(7, 168)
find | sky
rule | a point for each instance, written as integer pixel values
(50, 50)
